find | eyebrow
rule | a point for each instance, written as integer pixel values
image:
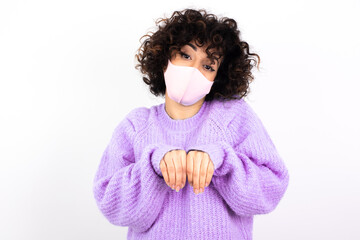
(192, 46)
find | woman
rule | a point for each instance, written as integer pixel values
(204, 132)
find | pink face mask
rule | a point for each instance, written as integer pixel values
(186, 85)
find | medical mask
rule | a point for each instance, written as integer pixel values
(186, 85)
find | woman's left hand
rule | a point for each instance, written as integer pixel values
(199, 170)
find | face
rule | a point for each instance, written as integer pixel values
(192, 55)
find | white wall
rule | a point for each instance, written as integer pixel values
(67, 78)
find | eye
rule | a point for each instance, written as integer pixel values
(184, 55)
(209, 68)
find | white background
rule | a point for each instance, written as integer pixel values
(67, 79)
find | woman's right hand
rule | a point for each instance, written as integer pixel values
(173, 168)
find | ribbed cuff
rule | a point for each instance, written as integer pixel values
(158, 154)
(214, 150)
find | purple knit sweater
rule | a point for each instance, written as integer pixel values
(250, 176)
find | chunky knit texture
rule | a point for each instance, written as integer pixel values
(250, 176)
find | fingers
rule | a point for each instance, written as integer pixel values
(183, 164)
(196, 173)
(177, 159)
(196, 166)
(203, 171)
(170, 169)
(164, 172)
(190, 167)
(210, 173)
(200, 170)
(173, 168)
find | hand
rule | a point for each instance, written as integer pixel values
(173, 168)
(200, 170)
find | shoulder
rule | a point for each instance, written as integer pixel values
(139, 117)
(237, 117)
(236, 111)
(133, 122)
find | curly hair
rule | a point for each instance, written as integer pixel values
(234, 74)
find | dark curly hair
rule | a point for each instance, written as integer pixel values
(234, 74)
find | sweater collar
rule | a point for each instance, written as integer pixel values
(181, 124)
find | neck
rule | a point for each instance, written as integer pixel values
(180, 112)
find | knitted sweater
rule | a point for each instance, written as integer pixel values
(249, 177)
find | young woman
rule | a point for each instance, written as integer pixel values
(204, 133)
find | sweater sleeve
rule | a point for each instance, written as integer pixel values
(250, 175)
(128, 191)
